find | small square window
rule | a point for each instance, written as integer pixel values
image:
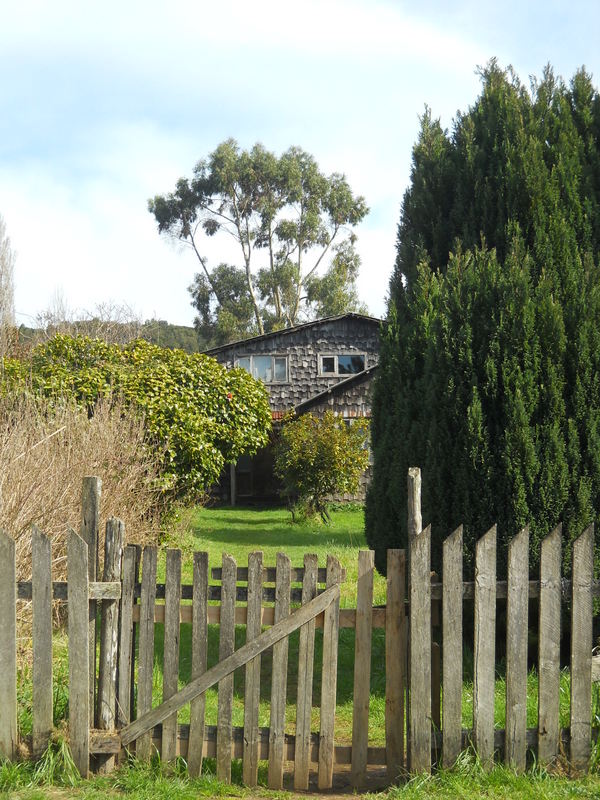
(328, 365)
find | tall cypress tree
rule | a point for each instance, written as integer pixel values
(489, 374)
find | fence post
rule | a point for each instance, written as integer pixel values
(517, 610)
(109, 636)
(226, 648)
(252, 682)
(126, 636)
(90, 529)
(452, 643)
(306, 656)
(362, 666)
(8, 648)
(143, 746)
(279, 675)
(395, 661)
(41, 595)
(331, 625)
(484, 666)
(199, 660)
(79, 643)
(171, 650)
(549, 647)
(581, 649)
(419, 743)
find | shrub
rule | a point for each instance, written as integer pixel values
(198, 414)
(317, 457)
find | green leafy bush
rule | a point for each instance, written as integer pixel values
(200, 414)
(317, 457)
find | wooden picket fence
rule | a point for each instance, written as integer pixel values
(110, 702)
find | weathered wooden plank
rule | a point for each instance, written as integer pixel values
(109, 636)
(362, 667)
(8, 648)
(226, 649)
(395, 662)
(485, 647)
(279, 677)
(126, 639)
(581, 650)
(199, 660)
(91, 494)
(252, 682)
(452, 646)
(134, 631)
(225, 667)
(549, 647)
(41, 581)
(143, 747)
(79, 642)
(517, 610)
(419, 739)
(306, 656)
(329, 679)
(171, 650)
(98, 590)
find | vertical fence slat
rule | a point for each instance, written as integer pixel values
(549, 647)
(79, 642)
(484, 673)
(143, 746)
(279, 675)
(581, 649)
(90, 529)
(395, 662)
(419, 740)
(199, 660)
(252, 682)
(331, 625)
(306, 656)
(452, 646)
(517, 610)
(171, 650)
(226, 648)
(362, 666)
(126, 641)
(109, 634)
(41, 595)
(134, 631)
(8, 648)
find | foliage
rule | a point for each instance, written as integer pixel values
(197, 412)
(281, 210)
(490, 364)
(320, 456)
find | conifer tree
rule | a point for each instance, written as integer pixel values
(489, 373)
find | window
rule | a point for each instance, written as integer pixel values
(342, 364)
(268, 369)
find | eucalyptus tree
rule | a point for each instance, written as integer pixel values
(293, 227)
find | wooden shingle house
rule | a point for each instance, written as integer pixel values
(312, 367)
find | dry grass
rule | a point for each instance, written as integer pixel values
(44, 455)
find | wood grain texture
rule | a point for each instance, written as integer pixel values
(225, 667)
(452, 646)
(549, 647)
(419, 739)
(252, 682)
(199, 660)
(485, 647)
(279, 676)
(109, 637)
(331, 626)
(171, 650)
(395, 662)
(8, 648)
(581, 650)
(41, 581)
(143, 747)
(362, 667)
(126, 640)
(306, 657)
(226, 648)
(79, 642)
(517, 611)
(91, 495)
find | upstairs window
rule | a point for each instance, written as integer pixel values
(342, 364)
(268, 369)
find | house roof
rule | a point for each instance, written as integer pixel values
(286, 331)
(337, 388)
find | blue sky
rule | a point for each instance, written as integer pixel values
(106, 104)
